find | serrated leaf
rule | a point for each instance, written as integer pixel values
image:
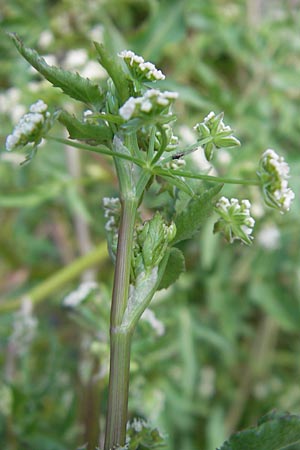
(85, 131)
(175, 266)
(70, 83)
(189, 221)
(276, 432)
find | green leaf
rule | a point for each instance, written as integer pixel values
(85, 131)
(115, 71)
(70, 83)
(188, 222)
(175, 266)
(275, 431)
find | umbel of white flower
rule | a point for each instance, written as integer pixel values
(141, 70)
(217, 134)
(152, 103)
(30, 127)
(274, 173)
(235, 221)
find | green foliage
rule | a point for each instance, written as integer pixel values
(82, 131)
(274, 432)
(228, 352)
(175, 267)
(142, 436)
(189, 221)
(71, 84)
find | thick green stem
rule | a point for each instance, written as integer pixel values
(118, 389)
(120, 340)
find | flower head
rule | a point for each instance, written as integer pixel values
(141, 70)
(235, 220)
(30, 127)
(274, 174)
(152, 103)
(218, 134)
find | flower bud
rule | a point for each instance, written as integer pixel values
(218, 134)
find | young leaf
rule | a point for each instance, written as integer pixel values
(85, 131)
(72, 84)
(175, 266)
(189, 221)
(114, 70)
(274, 432)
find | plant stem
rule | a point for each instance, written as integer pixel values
(58, 280)
(116, 419)
(120, 339)
(181, 173)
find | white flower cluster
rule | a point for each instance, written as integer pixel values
(29, 127)
(235, 221)
(141, 69)
(112, 210)
(80, 294)
(274, 174)
(153, 101)
(137, 424)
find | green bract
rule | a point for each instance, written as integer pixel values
(218, 134)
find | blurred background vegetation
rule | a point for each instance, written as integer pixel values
(225, 349)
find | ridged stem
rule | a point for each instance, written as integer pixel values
(120, 339)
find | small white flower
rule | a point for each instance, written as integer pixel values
(140, 69)
(38, 107)
(152, 102)
(138, 424)
(235, 220)
(127, 110)
(274, 174)
(29, 127)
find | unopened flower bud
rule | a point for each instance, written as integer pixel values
(218, 134)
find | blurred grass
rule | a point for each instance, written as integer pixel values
(229, 353)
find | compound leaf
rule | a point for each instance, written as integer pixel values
(70, 83)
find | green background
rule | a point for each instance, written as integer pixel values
(230, 348)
